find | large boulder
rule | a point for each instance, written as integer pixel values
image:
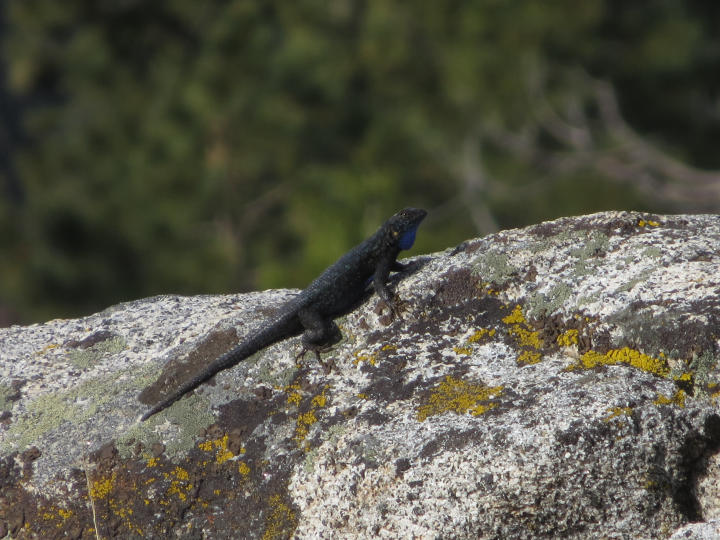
(557, 380)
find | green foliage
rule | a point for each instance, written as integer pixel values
(182, 146)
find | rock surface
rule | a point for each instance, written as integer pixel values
(558, 380)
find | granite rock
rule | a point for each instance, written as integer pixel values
(557, 380)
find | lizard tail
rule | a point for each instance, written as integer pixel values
(278, 330)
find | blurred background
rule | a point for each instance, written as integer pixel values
(177, 146)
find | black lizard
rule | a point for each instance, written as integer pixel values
(334, 292)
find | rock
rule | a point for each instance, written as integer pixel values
(698, 531)
(555, 381)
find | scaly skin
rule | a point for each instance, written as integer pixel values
(334, 292)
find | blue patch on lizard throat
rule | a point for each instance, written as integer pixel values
(407, 239)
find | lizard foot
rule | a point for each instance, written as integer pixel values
(394, 306)
(327, 366)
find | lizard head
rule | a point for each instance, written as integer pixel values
(402, 226)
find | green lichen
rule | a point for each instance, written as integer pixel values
(701, 366)
(51, 411)
(644, 328)
(651, 252)
(494, 267)
(332, 435)
(460, 397)
(538, 304)
(83, 359)
(628, 285)
(190, 414)
(588, 251)
(5, 401)
(268, 372)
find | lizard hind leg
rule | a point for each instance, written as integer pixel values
(319, 336)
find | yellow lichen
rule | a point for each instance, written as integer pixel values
(220, 445)
(648, 222)
(528, 357)
(525, 336)
(305, 420)
(100, 489)
(516, 317)
(223, 456)
(389, 347)
(180, 485)
(369, 358)
(179, 489)
(460, 397)
(281, 522)
(319, 400)
(466, 351)
(243, 468)
(181, 474)
(47, 348)
(626, 355)
(617, 411)
(152, 462)
(678, 399)
(480, 334)
(568, 338)
(207, 446)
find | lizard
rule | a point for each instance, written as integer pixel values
(334, 292)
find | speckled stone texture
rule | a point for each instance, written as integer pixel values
(555, 381)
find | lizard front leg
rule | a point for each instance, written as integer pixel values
(380, 279)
